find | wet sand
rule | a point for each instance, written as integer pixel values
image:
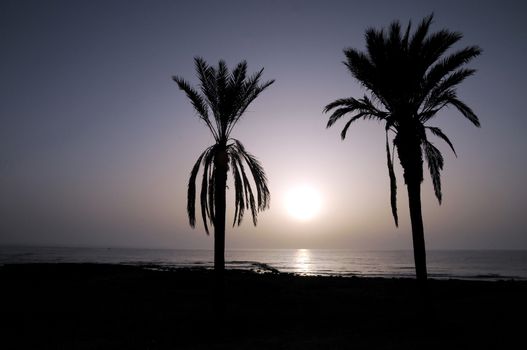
(95, 306)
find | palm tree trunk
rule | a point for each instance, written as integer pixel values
(220, 189)
(418, 237)
(220, 183)
(409, 149)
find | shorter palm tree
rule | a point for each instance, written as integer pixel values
(223, 98)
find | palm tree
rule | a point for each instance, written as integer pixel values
(222, 99)
(409, 80)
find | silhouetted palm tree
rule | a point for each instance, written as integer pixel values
(223, 98)
(409, 81)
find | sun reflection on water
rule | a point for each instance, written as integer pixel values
(303, 261)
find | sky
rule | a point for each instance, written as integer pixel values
(97, 142)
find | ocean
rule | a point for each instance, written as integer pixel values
(442, 264)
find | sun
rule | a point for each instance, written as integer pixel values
(303, 202)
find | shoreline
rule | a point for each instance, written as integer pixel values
(264, 268)
(82, 306)
(475, 265)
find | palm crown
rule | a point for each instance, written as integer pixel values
(222, 99)
(409, 83)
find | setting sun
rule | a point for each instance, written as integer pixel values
(303, 202)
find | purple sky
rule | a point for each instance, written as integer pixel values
(96, 141)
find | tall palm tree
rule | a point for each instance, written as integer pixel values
(222, 99)
(409, 79)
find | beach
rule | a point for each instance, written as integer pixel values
(102, 306)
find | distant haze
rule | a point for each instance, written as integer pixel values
(97, 142)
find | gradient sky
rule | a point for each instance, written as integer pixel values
(97, 142)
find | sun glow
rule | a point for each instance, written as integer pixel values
(303, 202)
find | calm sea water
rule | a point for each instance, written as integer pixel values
(441, 264)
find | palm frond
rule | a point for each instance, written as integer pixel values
(420, 33)
(239, 198)
(425, 115)
(375, 47)
(246, 191)
(439, 133)
(406, 38)
(445, 85)
(361, 68)
(434, 103)
(235, 87)
(239, 73)
(211, 194)
(249, 194)
(465, 110)
(250, 202)
(339, 113)
(191, 192)
(258, 175)
(197, 101)
(207, 77)
(436, 44)
(251, 90)
(441, 70)
(260, 180)
(435, 161)
(224, 103)
(395, 34)
(364, 106)
(207, 212)
(346, 127)
(339, 103)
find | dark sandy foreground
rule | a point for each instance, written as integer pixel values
(88, 306)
